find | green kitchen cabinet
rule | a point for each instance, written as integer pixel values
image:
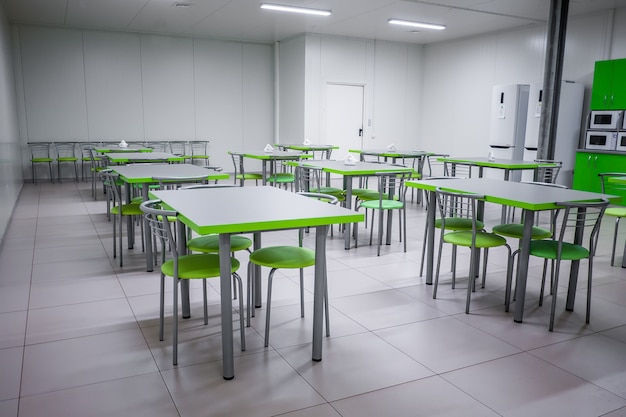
(609, 85)
(590, 164)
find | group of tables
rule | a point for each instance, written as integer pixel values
(227, 211)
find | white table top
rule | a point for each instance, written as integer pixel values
(251, 209)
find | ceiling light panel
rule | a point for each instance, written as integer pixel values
(421, 25)
(293, 9)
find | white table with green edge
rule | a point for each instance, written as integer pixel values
(527, 196)
(348, 172)
(145, 174)
(227, 211)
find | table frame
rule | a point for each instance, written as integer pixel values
(143, 174)
(529, 197)
(348, 172)
(224, 211)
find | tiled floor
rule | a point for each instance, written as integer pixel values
(79, 334)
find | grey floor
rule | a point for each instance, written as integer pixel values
(79, 334)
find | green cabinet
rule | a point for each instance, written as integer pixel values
(609, 85)
(590, 164)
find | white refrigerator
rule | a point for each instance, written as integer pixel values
(508, 125)
(567, 131)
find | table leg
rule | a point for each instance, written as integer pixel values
(228, 365)
(318, 293)
(181, 242)
(573, 273)
(624, 258)
(257, 272)
(129, 219)
(264, 172)
(347, 233)
(146, 232)
(430, 235)
(522, 266)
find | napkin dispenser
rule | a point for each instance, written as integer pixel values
(268, 148)
(123, 144)
(391, 148)
(306, 142)
(349, 160)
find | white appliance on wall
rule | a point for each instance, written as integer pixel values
(605, 119)
(509, 107)
(567, 130)
(620, 143)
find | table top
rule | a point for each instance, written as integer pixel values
(617, 180)
(251, 209)
(273, 155)
(305, 148)
(510, 193)
(126, 157)
(117, 148)
(497, 163)
(398, 153)
(144, 173)
(359, 168)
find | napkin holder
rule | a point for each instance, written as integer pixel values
(268, 148)
(391, 148)
(306, 142)
(491, 157)
(123, 144)
(349, 160)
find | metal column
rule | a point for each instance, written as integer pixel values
(553, 71)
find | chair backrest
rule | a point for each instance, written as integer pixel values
(433, 167)
(157, 146)
(196, 186)
(308, 178)
(392, 185)
(174, 183)
(238, 166)
(579, 218)
(458, 205)
(548, 174)
(39, 150)
(178, 148)
(65, 149)
(87, 150)
(610, 187)
(199, 148)
(457, 170)
(110, 181)
(160, 227)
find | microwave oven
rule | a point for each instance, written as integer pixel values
(605, 119)
(621, 142)
(600, 140)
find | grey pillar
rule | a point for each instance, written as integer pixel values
(553, 71)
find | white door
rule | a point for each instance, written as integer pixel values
(344, 118)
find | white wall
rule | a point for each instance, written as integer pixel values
(391, 74)
(82, 85)
(459, 75)
(10, 168)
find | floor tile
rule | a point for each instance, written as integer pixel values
(353, 365)
(139, 396)
(264, 385)
(523, 385)
(11, 367)
(85, 360)
(430, 396)
(76, 320)
(445, 344)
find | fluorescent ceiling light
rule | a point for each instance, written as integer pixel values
(293, 9)
(416, 24)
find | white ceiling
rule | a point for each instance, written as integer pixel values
(243, 20)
